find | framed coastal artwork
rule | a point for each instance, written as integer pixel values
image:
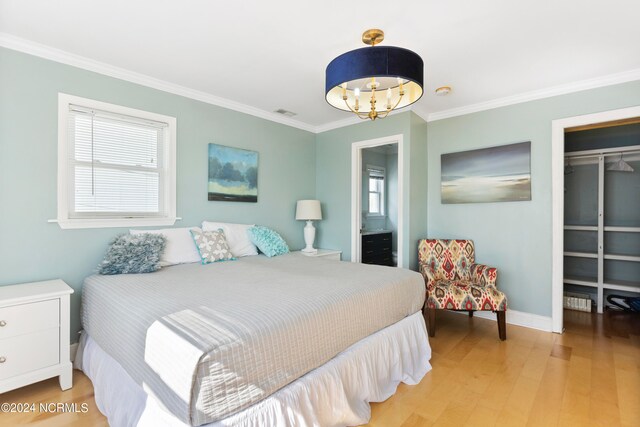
(233, 174)
(494, 174)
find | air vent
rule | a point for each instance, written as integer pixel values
(285, 112)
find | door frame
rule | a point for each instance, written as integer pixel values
(356, 193)
(557, 199)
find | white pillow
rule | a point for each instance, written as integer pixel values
(180, 248)
(237, 237)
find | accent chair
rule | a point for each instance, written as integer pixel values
(455, 282)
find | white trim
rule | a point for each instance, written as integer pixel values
(10, 41)
(27, 46)
(557, 198)
(517, 318)
(608, 80)
(356, 193)
(353, 120)
(169, 155)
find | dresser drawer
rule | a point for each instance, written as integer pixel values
(378, 260)
(26, 318)
(29, 352)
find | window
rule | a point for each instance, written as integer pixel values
(116, 165)
(376, 190)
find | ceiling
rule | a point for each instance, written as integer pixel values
(272, 55)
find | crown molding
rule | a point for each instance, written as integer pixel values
(353, 120)
(10, 41)
(420, 111)
(608, 80)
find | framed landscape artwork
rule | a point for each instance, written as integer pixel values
(233, 174)
(495, 174)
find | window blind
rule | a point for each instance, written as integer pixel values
(376, 190)
(115, 165)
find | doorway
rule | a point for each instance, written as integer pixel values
(559, 127)
(377, 198)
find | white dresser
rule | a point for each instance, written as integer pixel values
(34, 334)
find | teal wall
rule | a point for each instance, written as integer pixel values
(392, 199)
(294, 164)
(333, 180)
(514, 236)
(372, 158)
(32, 249)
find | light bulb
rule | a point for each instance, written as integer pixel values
(357, 92)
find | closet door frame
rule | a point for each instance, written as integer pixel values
(557, 200)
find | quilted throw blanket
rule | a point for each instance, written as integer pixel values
(210, 340)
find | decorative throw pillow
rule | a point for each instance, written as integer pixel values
(212, 246)
(268, 241)
(236, 235)
(179, 248)
(130, 253)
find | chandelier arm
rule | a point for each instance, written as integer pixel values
(354, 111)
(386, 113)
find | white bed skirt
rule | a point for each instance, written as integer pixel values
(336, 394)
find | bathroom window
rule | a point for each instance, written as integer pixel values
(376, 191)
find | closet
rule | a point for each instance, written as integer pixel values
(602, 212)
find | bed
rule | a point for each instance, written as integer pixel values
(288, 340)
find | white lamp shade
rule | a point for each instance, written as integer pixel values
(308, 210)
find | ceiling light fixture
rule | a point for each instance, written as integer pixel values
(443, 91)
(361, 79)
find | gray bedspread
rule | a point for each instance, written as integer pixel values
(210, 340)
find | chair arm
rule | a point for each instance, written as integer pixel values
(427, 274)
(483, 274)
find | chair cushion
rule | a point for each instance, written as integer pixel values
(464, 295)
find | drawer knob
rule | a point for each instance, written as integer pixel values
(3, 359)
(3, 323)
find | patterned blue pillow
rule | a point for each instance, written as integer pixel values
(268, 241)
(133, 253)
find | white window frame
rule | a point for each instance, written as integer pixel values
(168, 197)
(383, 204)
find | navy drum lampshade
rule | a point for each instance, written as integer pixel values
(390, 76)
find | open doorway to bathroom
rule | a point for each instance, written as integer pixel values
(377, 201)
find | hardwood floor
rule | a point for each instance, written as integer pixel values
(590, 375)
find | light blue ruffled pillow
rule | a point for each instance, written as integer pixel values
(268, 241)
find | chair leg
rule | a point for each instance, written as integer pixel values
(502, 325)
(430, 316)
(470, 313)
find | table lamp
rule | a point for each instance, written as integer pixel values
(309, 210)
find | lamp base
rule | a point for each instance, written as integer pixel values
(309, 237)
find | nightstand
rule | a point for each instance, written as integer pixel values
(324, 253)
(34, 334)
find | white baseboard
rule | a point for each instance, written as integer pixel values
(518, 318)
(73, 348)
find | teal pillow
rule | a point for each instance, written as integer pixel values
(268, 241)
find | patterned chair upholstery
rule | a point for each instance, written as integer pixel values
(455, 282)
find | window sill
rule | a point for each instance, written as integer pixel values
(67, 223)
(376, 216)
